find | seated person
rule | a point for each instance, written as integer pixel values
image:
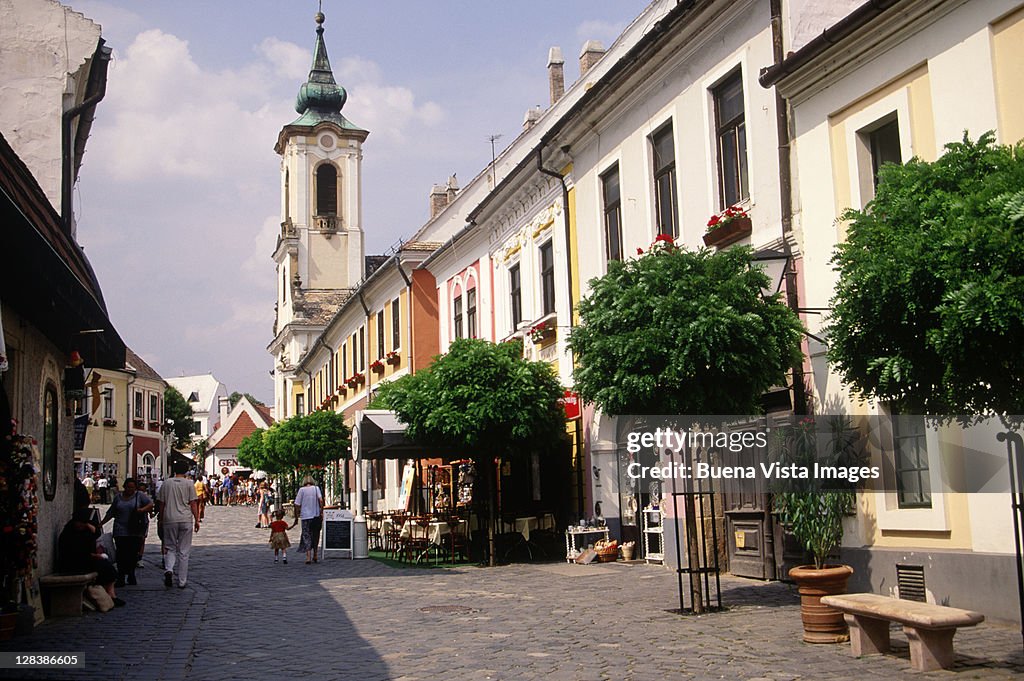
(77, 552)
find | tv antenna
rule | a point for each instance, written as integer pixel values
(492, 139)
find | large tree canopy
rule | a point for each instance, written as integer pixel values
(929, 308)
(481, 397)
(178, 410)
(315, 439)
(682, 332)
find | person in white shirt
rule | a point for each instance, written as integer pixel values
(309, 508)
(179, 517)
(101, 488)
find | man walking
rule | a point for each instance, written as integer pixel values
(102, 485)
(179, 516)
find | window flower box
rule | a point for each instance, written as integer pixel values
(392, 358)
(109, 423)
(377, 365)
(138, 423)
(154, 425)
(342, 389)
(540, 332)
(354, 380)
(728, 228)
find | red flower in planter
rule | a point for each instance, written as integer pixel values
(728, 215)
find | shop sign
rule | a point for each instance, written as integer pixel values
(571, 403)
(230, 463)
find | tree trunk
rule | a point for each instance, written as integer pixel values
(692, 545)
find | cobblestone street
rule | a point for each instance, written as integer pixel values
(243, 617)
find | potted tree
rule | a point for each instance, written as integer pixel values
(814, 513)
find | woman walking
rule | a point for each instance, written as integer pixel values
(309, 508)
(264, 499)
(130, 511)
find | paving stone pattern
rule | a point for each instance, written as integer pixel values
(244, 618)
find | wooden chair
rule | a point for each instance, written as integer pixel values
(393, 535)
(373, 525)
(416, 542)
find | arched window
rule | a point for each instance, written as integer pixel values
(327, 189)
(50, 433)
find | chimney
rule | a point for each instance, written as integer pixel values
(592, 51)
(438, 200)
(532, 116)
(223, 410)
(556, 73)
(452, 188)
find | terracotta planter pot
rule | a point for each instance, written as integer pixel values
(822, 624)
(728, 234)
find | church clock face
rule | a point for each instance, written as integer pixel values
(327, 141)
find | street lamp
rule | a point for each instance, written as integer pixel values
(775, 264)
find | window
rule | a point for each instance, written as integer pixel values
(612, 214)
(326, 189)
(663, 150)
(884, 145)
(471, 313)
(731, 139)
(355, 354)
(396, 326)
(138, 405)
(50, 432)
(193, 396)
(344, 362)
(913, 488)
(362, 349)
(515, 285)
(108, 403)
(457, 318)
(380, 334)
(547, 278)
(154, 408)
(300, 405)
(197, 428)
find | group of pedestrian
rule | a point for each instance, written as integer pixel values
(100, 487)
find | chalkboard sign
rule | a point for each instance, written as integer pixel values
(337, 534)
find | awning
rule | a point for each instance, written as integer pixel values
(378, 434)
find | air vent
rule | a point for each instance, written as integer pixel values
(910, 579)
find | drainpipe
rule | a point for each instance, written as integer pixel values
(578, 435)
(782, 127)
(98, 72)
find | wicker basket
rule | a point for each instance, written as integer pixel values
(609, 555)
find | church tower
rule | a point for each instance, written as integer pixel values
(319, 254)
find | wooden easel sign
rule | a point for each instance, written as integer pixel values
(337, 534)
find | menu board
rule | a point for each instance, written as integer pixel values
(337, 534)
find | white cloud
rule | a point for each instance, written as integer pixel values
(290, 61)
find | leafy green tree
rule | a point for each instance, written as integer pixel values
(177, 409)
(253, 454)
(315, 439)
(234, 397)
(682, 332)
(482, 398)
(928, 312)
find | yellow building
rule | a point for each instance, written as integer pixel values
(887, 85)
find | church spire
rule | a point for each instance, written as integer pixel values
(320, 96)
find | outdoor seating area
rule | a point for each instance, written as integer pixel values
(418, 539)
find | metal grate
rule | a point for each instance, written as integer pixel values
(449, 609)
(910, 579)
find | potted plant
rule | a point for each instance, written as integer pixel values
(392, 357)
(539, 332)
(814, 512)
(728, 227)
(377, 365)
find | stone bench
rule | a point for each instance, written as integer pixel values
(929, 628)
(64, 593)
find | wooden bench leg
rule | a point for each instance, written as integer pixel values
(930, 649)
(868, 636)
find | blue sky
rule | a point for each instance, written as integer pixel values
(178, 201)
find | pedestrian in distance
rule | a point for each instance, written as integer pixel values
(179, 516)
(129, 511)
(279, 536)
(309, 508)
(102, 485)
(201, 496)
(265, 500)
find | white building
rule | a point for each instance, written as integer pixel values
(204, 394)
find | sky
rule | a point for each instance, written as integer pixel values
(178, 202)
